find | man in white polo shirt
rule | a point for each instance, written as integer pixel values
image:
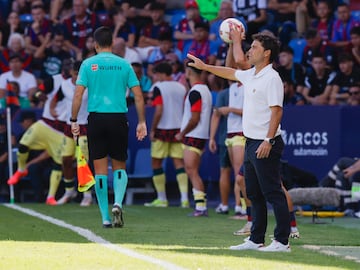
(262, 113)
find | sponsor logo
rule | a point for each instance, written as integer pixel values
(307, 143)
(94, 67)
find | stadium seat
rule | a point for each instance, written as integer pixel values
(356, 14)
(174, 17)
(298, 45)
(140, 178)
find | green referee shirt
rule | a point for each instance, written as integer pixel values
(107, 76)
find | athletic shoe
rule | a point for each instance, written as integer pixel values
(294, 233)
(247, 245)
(157, 203)
(86, 201)
(198, 213)
(185, 204)
(246, 230)
(276, 246)
(67, 197)
(13, 180)
(51, 201)
(107, 224)
(349, 213)
(117, 216)
(357, 214)
(220, 210)
(239, 216)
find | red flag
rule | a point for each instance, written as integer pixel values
(85, 177)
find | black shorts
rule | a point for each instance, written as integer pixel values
(108, 135)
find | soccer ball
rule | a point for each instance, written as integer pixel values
(225, 27)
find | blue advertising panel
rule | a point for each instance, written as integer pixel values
(312, 136)
(315, 138)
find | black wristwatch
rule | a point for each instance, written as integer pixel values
(72, 120)
(270, 140)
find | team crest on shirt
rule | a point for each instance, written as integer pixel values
(254, 90)
(94, 67)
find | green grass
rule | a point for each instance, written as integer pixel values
(166, 234)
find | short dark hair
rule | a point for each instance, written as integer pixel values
(318, 54)
(27, 115)
(194, 69)
(15, 56)
(355, 30)
(287, 49)
(269, 42)
(165, 36)
(344, 57)
(203, 25)
(311, 33)
(103, 37)
(76, 66)
(157, 6)
(163, 68)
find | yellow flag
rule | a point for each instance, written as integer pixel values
(85, 177)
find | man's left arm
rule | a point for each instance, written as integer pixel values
(141, 130)
(76, 103)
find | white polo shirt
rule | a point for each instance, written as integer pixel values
(261, 91)
(26, 81)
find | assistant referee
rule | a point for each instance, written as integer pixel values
(106, 77)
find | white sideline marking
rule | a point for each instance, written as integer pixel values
(326, 250)
(95, 238)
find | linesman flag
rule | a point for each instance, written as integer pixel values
(85, 177)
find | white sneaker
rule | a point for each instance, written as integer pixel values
(246, 230)
(247, 245)
(67, 197)
(86, 201)
(276, 246)
(222, 209)
(294, 233)
(357, 214)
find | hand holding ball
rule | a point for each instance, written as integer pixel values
(227, 25)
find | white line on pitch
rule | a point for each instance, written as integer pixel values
(95, 238)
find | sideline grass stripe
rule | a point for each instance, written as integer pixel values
(95, 238)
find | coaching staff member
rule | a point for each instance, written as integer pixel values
(106, 78)
(262, 113)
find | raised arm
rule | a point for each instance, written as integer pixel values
(223, 72)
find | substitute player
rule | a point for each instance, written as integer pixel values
(107, 77)
(168, 98)
(194, 133)
(66, 94)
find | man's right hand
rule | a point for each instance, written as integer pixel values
(141, 131)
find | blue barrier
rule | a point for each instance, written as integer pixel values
(315, 138)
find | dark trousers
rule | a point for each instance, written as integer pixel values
(263, 184)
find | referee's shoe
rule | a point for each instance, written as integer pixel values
(117, 216)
